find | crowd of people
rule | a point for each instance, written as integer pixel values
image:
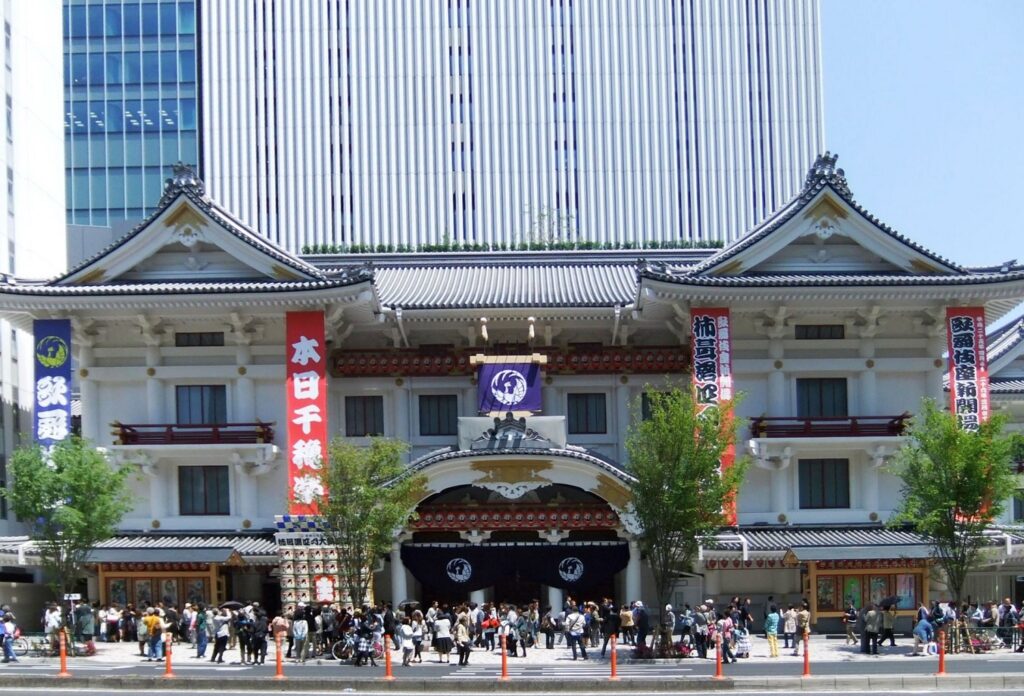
(311, 630)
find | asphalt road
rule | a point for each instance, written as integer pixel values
(627, 691)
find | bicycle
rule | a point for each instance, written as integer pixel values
(345, 647)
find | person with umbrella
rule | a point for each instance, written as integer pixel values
(889, 620)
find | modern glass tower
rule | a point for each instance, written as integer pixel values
(130, 103)
(409, 123)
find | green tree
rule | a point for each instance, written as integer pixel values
(681, 495)
(368, 500)
(955, 482)
(71, 501)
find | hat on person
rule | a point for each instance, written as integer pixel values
(639, 603)
(668, 607)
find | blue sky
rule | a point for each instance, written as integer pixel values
(924, 102)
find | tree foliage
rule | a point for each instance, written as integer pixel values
(681, 494)
(955, 482)
(71, 500)
(367, 502)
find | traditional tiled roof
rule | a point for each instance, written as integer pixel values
(183, 288)
(657, 272)
(534, 285)
(256, 548)
(569, 452)
(822, 174)
(1004, 339)
(185, 182)
(1006, 386)
(784, 538)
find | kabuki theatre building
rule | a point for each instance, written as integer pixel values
(218, 365)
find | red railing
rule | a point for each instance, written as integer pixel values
(847, 426)
(176, 434)
(492, 517)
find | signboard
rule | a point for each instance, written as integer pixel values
(711, 346)
(324, 588)
(306, 386)
(509, 385)
(968, 365)
(52, 393)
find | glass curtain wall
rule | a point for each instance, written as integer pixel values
(130, 98)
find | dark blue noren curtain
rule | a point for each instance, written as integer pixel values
(460, 568)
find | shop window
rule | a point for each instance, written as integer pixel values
(1018, 506)
(364, 416)
(587, 414)
(202, 404)
(198, 339)
(439, 414)
(819, 332)
(821, 397)
(824, 484)
(203, 490)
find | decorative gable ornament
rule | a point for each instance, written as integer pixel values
(824, 172)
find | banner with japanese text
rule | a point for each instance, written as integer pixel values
(968, 365)
(711, 346)
(509, 385)
(52, 400)
(306, 385)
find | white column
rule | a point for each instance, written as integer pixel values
(869, 486)
(936, 347)
(868, 381)
(555, 599)
(155, 400)
(780, 490)
(154, 386)
(247, 487)
(89, 395)
(399, 588)
(245, 392)
(158, 493)
(777, 394)
(712, 584)
(478, 597)
(633, 577)
(401, 394)
(622, 418)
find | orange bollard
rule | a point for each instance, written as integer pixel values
(388, 676)
(63, 655)
(504, 659)
(807, 655)
(942, 654)
(615, 662)
(718, 655)
(168, 670)
(280, 657)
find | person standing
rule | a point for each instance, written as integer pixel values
(154, 630)
(443, 637)
(771, 630)
(789, 627)
(7, 630)
(626, 625)
(611, 623)
(700, 631)
(643, 624)
(850, 621)
(407, 641)
(803, 627)
(260, 629)
(575, 625)
(202, 634)
(221, 632)
(872, 625)
(300, 632)
(462, 639)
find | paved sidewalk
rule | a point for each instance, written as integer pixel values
(823, 649)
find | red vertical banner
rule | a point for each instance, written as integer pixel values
(711, 344)
(968, 365)
(306, 385)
